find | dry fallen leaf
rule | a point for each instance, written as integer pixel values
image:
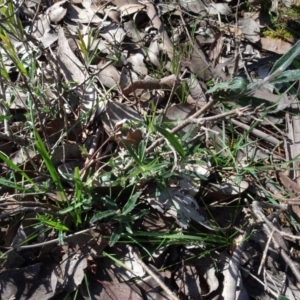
(250, 30)
(57, 11)
(275, 45)
(72, 267)
(218, 8)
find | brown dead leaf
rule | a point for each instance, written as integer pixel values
(275, 45)
(117, 291)
(132, 138)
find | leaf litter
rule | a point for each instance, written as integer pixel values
(138, 135)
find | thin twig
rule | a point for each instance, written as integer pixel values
(263, 259)
(57, 240)
(155, 277)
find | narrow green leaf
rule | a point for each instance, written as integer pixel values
(15, 168)
(103, 214)
(2, 118)
(49, 165)
(115, 236)
(132, 152)
(287, 76)
(284, 61)
(171, 139)
(8, 183)
(129, 206)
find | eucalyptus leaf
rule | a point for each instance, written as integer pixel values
(287, 58)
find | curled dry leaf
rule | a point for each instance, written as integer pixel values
(129, 9)
(218, 8)
(188, 281)
(85, 16)
(196, 91)
(182, 208)
(73, 71)
(197, 7)
(33, 282)
(57, 11)
(42, 31)
(113, 34)
(72, 267)
(275, 45)
(71, 66)
(136, 62)
(250, 30)
(153, 52)
(109, 76)
(117, 113)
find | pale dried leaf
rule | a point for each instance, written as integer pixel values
(34, 282)
(21, 156)
(180, 112)
(250, 30)
(57, 11)
(197, 7)
(188, 282)
(136, 62)
(118, 291)
(153, 52)
(218, 8)
(73, 266)
(71, 66)
(113, 34)
(80, 15)
(182, 208)
(116, 113)
(129, 9)
(109, 76)
(42, 31)
(211, 280)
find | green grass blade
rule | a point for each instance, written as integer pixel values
(49, 165)
(287, 58)
(16, 168)
(171, 139)
(103, 214)
(129, 206)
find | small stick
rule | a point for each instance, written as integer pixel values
(263, 259)
(149, 272)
